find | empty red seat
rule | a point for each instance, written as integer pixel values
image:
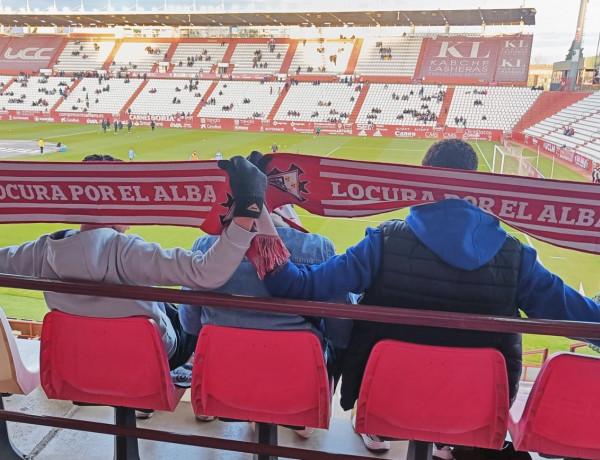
(456, 396)
(276, 377)
(562, 415)
(117, 362)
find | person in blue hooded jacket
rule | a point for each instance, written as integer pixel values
(445, 256)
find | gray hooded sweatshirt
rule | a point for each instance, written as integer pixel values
(107, 256)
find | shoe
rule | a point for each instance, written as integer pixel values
(444, 453)
(372, 442)
(305, 433)
(204, 418)
(142, 414)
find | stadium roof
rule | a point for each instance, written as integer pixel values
(260, 19)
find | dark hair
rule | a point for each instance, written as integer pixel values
(453, 154)
(98, 157)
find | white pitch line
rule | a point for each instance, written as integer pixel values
(530, 243)
(72, 134)
(334, 150)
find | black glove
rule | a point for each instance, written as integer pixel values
(259, 160)
(248, 185)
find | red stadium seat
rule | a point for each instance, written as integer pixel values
(456, 396)
(562, 414)
(118, 362)
(270, 377)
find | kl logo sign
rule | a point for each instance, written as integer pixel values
(29, 53)
(512, 63)
(468, 50)
(512, 44)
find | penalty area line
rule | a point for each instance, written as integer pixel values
(334, 150)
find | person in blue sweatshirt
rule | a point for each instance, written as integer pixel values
(445, 256)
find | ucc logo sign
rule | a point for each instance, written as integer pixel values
(29, 54)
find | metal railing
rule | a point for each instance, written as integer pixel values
(274, 305)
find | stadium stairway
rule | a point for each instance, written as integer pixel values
(112, 54)
(170, 53)
(548, 104)
(278, 102)
(446, 106)
(10, 82)
(353, 59)
(207, 94)
(58, 53)
(133, 96)
(229, 52)
(61, 99)
(287, 60)
(358, 105)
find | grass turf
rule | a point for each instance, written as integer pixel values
(176, 145)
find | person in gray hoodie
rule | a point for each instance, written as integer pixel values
(105, 254)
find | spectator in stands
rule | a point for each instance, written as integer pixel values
(103, 253)
(449, 256)
(334, 334)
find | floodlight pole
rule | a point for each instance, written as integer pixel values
(576, 47)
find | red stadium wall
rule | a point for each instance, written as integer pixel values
(29, 53)
(253, 125)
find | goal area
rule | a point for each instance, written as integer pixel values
(509, 160)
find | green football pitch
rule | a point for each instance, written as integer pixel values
(577, 269)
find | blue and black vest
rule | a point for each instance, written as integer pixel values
(413, 276)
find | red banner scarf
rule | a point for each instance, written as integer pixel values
(197, 194)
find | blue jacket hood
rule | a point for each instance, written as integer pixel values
(461, 234)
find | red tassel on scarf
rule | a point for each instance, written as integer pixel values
(267, 251)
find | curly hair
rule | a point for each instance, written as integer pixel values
(453, 154)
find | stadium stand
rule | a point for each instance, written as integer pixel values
(193, 57)
(582, 117)
(138, 56)
(323, 102)
(321, 57)
(85, 55)
(38, 94)
(100, 100)
(389, 56)
(161, 97)
(489, 107)
(258, 58)
(228, 99)
(385, 103)
(4, 80)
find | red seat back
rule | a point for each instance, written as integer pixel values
(562, 415)
(450, 395)
(263, 376)
(116, 362)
